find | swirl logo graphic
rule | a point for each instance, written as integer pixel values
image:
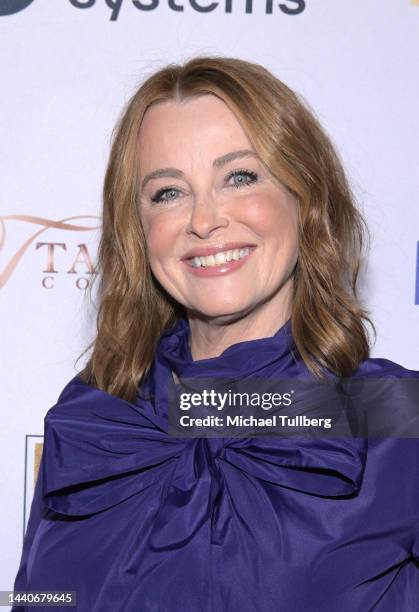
(45, 224)
(9, 7)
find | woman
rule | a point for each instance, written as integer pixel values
(230, 248)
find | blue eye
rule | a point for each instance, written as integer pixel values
(158, 196)
(244, 177)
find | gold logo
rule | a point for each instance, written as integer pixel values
(37, 460)
(63, 224)
(33, 453)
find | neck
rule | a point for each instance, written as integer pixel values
(211, 335)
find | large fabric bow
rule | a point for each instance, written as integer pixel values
(100, 450)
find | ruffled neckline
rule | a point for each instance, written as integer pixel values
(242, 359)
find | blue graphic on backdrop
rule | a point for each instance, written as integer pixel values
(288, 7)
(9, 7)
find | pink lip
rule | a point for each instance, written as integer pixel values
(218, 270)
(203, 251)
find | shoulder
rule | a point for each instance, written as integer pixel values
(386, 394)
(379, 367)
(72, 399)
(78, 396)
(75, 385)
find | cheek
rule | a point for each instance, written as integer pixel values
(160, 234)
(273, 217)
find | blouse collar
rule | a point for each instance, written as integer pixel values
(241, 359)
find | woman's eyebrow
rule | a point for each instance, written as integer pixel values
(218, 163)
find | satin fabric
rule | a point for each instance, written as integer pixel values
(136, 520)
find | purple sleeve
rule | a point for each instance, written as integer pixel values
(35, 516)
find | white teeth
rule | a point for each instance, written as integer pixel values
(219, 258)
(210, 260)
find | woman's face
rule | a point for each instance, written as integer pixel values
(202, 194)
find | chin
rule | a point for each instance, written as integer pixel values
(221, 311)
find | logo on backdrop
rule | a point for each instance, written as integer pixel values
(55, 257)
(9, 7)
(289, 7)
(33, 453)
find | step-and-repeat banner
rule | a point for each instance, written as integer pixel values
(68, 67)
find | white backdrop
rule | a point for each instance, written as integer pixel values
(68, 66)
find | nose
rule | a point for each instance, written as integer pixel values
(206, 216)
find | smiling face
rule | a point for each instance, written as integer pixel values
(204, 190)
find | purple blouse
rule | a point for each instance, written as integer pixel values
(136, 520)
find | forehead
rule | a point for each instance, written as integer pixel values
(199, 125)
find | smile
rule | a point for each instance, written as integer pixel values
(219, 258)
(220, 263)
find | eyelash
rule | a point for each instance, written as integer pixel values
(253, 177)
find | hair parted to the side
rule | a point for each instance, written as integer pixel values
(328, 321)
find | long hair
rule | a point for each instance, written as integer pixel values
(328, 321)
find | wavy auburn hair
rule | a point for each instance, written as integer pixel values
(328, 321)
